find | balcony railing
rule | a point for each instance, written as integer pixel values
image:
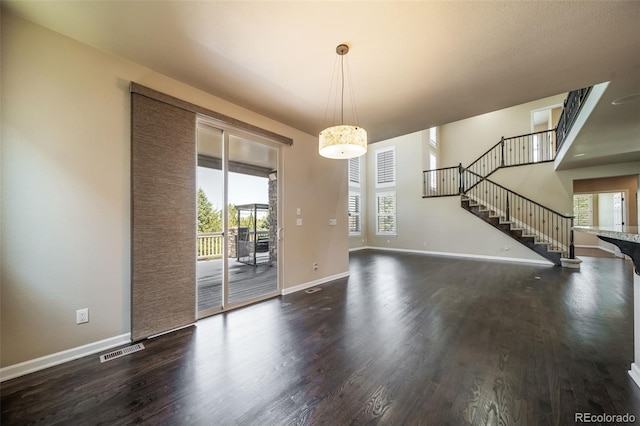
(572, 106)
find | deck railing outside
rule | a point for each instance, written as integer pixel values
(210, 244)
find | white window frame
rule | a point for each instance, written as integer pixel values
(588, 211)
(357, 214)
(394, 214)
(379, 152)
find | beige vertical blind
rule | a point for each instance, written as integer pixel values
(163, 206)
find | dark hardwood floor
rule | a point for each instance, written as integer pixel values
(406, 339)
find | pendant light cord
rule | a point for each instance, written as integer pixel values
(342, 91)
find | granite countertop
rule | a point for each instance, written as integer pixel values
(624, 233)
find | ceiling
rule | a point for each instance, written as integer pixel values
(413, 64)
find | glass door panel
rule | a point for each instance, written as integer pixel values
(252, 215)
(210, 204)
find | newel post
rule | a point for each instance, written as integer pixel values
(460, 180)
(572, 249)
(502, 151)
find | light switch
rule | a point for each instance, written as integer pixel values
(333, 222)
(298, 211)
(299, 222)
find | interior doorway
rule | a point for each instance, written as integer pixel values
(237, 199)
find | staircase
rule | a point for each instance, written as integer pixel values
(539, 228)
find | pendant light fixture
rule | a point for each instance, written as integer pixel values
(342, 141)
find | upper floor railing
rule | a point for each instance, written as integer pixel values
(571, 108)
(532, 148)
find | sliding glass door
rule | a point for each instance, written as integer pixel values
(253, 198)
(237, 219)
(210, 211)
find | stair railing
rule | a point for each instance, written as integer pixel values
(531, 148)
(535, 220)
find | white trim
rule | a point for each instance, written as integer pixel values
(305, 286)
(359, 248)
(466, 255)
(634, 372)
(31, 366)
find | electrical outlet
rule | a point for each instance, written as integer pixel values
(315, 266)
(82, 316)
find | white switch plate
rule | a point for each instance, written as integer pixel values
(298, 211)
(333, 222)
(299, 222)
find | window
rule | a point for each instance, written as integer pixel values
(354, 171)
(433, 157)
(386, 213)
(354, 213)
(433, 139)
(355, 199)
(386, 167)
(583, 209)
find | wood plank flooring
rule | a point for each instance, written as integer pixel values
(245, 282)
(406, 339)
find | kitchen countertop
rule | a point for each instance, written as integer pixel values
(624, 233)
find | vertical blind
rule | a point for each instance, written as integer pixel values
(163, 188)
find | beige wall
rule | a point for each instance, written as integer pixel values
(437, 225)
(465, 140)
(65, 191)
(628, 184)
(440, 224)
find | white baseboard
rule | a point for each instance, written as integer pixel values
(465, 255)
(314, 283)
(31, 366)
(635, 373)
